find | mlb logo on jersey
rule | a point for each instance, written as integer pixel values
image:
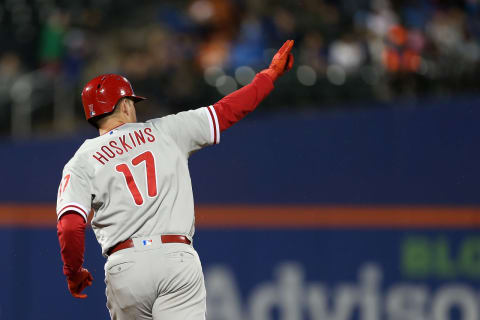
(147, 242)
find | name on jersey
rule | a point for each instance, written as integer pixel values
(123, 144)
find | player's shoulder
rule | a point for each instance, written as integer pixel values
(192, 114)
(76, 160)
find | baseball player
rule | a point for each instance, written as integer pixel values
(135, 178)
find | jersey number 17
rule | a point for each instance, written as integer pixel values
(149, 160)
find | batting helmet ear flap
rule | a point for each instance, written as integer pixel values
(101, 94)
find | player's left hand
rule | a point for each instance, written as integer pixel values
(78, 282)
(282, 61)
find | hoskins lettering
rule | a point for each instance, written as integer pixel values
(123, 144)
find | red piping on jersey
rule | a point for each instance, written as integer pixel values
(214, 126)
(74, 206)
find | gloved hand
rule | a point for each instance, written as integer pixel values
(281, 62)
(78, 282)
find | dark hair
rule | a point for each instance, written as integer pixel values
(94, 121)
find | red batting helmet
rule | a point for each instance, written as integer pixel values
(101, 94)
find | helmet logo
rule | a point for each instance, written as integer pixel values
(92, 112)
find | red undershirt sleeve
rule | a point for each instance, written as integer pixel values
(238, 104)
(71, 235)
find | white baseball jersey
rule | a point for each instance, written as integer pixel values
(136, 179)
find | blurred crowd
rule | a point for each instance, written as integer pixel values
(189, 53)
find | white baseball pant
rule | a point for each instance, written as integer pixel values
(155, 281)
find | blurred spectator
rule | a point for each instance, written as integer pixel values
(52, 46)
(214, 52)
(347, 52)
(313, 51)
(250, 44)
(10, 70)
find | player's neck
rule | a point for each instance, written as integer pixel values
(110, 125)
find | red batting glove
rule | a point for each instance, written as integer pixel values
(282, 61)
(79, 281)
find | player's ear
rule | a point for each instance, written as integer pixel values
(123, 106)
(131, 109)
(127, 109)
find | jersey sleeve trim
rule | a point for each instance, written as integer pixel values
(214, 126)
(73, 206)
